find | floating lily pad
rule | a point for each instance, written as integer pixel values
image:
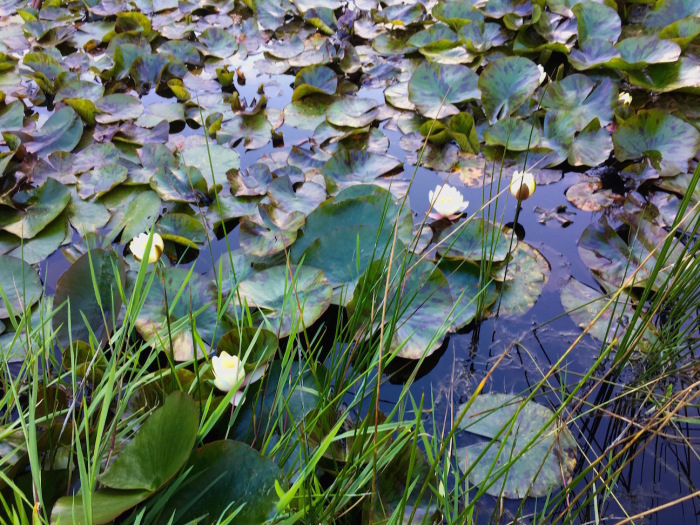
(589, 195)
(464, 279)
(640, 51)
(513, 134)
(352, 112)
(592, 53)
(61, 132)
(222, 160)
(666, 140)
(86, 304)
(282, 297)
(506, 84)
(682, 75)
(255, 130)
(47, 203)
(474, 241)
(182, 229)
(354, 166)
(545, 463)
(314, 80)
(20, 284)
(596, 20)
(241, 482)
(191, 297)
(436, 89)
(583, 99)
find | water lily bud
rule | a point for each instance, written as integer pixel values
(228, 371)
(446, 202)
(543, 75)
(138, 247)
(624, 99)
(522, 186)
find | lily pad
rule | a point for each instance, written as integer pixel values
(82, 305)
(352, 112)
(583, 99)
(61, 132)
(513, 134)
(282, 297)
(595, 20)
(666, 140)
(182, 229)
(20, 284)
(545, 463)
(474, 241)
(464, 279)
(191, 297)
(435, 89)
(222, 160)
(640, 51)
(506, 84)
(47, 203)
(356, 166)
(314, 80)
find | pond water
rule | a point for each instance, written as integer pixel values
(554, 221)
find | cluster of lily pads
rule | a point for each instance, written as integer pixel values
(474, 90)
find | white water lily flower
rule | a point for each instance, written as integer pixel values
(138, 247)
(543, 75)
(522, 185)
(624, 99)
(229, 373)
(446, 202)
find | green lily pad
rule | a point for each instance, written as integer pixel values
(666, 12)
(457, 13)
(20, 284)
(583, 99)
(240, 481)
(188, 295)
(436, 89)
(583, 304)
(179, 184)
(437, 35)
(39, 247)
(479, 37)
(640, 51)
(217, 42)
(314, 80)
(474, 241)
(12, 117)
(258, 344)
(133, 209)
(182, 229)
(513, 134)
(464, 281)
(47, 203)
(307, 113)
(506, 84)
(83, 300)
(593, 52)
(100, 181)
(107, 505)
(665, 139)
(596, 20)
(591, 147)
(421, 302)
(682, 75)
(117, 107)
(683, 32)
(222, 160)
(148, 461)
(61, 132)
(356, 166)
(528, 272)
(352, 112)
(255, 130)
(545, 465)
(282, 298)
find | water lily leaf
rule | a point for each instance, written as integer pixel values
(182, 50)
(592, 53)
(314, 80)
(148, 461)
(591, 147)
(400, 14)
(133, 209)
(583, 304)
(88, 300)
(558, 136)
(528, 272)
(283, 298)
(47, 203)
(474, 240)
(421, 301)
(356, 166)
(353, 220)
(285, 48)
(188, 294)
(101, 180)
(513, 134)
(506, 84)
(20, 284)
(352, 112)
(682, 75)
(653, 133)
(391, 44)
(545, 465)
(683, 32)
(435, 89)
(86, 216)
(155, 113)
(305, 198)
(241, 481)
(262, 238)
(589, 195)
(582, 99)
(182, 229)
(640, 51)
(179, 184)
(479, 37)
(596, 20)
(61, 132)
(147, 69)
(667, 12)
(307, 113)
(222, 160)
(118, 107)
(258, 344)
(12, 117)
(463, 278)
(456, 13)
(107, 505)
(39, 247)
(437, 35)
(217, 42)
(502, 8)
(80, 89)
(255, 130)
